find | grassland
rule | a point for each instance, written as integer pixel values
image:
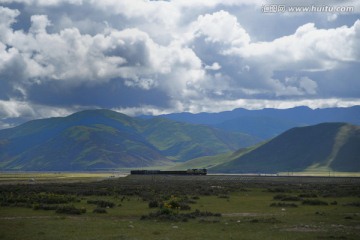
(251, 209)
(53, 177)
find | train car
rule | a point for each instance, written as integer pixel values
(194, 171)
(144, 172)
(197, 171)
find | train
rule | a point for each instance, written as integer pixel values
(194, 171)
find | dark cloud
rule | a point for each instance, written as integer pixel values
(113, 94)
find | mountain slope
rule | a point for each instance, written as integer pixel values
(332, 146)
(181, 141)
(99, 139)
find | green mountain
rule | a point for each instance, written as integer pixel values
(103, 139)
(327, 146)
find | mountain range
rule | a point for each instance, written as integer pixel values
(268, 123)
(104, 139)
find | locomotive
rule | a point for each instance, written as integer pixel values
(194, 171)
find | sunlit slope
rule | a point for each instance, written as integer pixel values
(327, 146)
(209, 162)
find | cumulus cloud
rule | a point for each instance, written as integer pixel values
(166, 56)
(220, 27)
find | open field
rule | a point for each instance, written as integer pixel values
(183, 207)
(54, 177)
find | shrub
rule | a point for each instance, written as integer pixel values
(283, 205)
(176, 203)
(224, 196)
(314, 202)
(265, 220)
(153, 204)
(45, 207)
(291, 198)
(167, 214)
(352, 204)
(184, 206)
(101, 203)
(284, 197)
(70, 209)
(308, 195)
(278, 190)
(99, 210)
(279, 196)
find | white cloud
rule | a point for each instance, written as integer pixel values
(307, 49)
(220, 27)
(44, 2)
(207, 105)
(215, 66)
(39, 23)
(130, 54)
(14, 108)
(198, 54)
(293, 86)
(309, 86)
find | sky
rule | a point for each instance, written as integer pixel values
(154, 57)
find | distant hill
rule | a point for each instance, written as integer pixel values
(103, 139)
(268, 123)
(326, 146)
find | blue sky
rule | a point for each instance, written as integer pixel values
(154, 57)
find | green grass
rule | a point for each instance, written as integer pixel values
(246, 214)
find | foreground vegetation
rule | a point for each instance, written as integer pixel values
(168, 207)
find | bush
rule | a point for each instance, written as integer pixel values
(224, 196)
(184, 206)
(352, 204)
(284, 197)
(314, 202)
(153, 204)
(264, 220)
(101, 203)
(280, 196)
(99, 210)
(167, 214)
(279, 190)
(308, 195)
(27, 199)
(283, 205)
(70, 209)
(45, 207)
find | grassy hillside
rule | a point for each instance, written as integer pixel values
(328, 146)
(183, 141)
(103, 139)
(210, 162)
